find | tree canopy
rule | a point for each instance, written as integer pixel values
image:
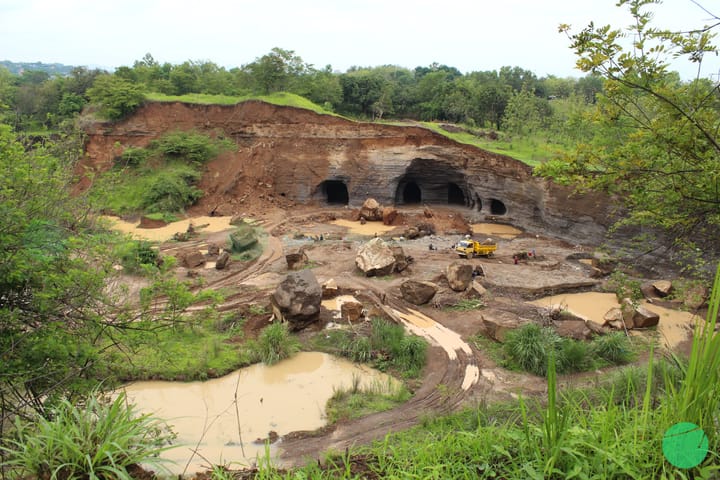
(655, 141)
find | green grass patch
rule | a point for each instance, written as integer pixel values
(531, 151)
(388, 348)
(466, 305)
(95, 439)
(359, 401)
(194, 351)
(274, 343)
(278, 98)
(531, 347)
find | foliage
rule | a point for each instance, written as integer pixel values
(190, 146)
(613, 347)
(116, 96)
(160, 178)
(388, 347)
(656, 143)
(466, 304)
(359, 401)
(275, 343)
(95, 440)
(134, 255)
(624, 287)
(531, 347)
(201, 347)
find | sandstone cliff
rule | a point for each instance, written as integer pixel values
(294, 155)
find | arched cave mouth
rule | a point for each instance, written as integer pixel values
(497, 207)
(335, 192)
(411, 193)
(455, 194)
(433, 182)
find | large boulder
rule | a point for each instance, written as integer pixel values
(497, 324)
(401, 260)
(389, 214)
(351, 310)
(297, 299)
(629, 315)
(663, 287)
(371, 210)
(637, 316)
(193, 259)
(296, 260)
(375, 258)
(243, 238)
(459, 275)
(222, 261)
(418, 293)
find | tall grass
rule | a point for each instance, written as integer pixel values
(97, 440)
(275, 343)
(612, 431)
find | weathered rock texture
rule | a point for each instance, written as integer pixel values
(297, 299)
(287, 154)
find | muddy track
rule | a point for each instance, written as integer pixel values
(450, 374)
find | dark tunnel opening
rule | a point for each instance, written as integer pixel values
(335, 192)
(412, 193)
(497, 207)
(455, 195)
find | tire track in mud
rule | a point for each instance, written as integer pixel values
(445, 387)
(452, 369)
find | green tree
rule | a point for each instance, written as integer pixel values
(659, 148)
(277, 71)
(116, 96)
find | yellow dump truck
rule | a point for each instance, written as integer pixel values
(472, 248)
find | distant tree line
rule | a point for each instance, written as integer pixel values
(432, 93)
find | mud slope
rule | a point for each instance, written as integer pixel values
(287, 155)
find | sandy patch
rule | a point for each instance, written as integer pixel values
(370, 229)
(498, 230)
(163, 234)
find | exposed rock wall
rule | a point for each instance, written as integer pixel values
(305, 157)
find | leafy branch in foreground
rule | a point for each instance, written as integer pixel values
(656, 144)
(97, 440)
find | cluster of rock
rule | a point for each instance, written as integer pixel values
(372, 211)
(460, 277)
(191, 258)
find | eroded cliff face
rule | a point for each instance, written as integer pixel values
(287, 155)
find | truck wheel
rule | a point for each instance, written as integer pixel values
(470, 255)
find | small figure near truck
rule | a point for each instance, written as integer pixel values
(470, 248)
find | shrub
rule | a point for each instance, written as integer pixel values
(275, 343)
(97, 440)
(136, 254)
(133, 157)
(613, 347)
(116, 96)
(191, 146)
(172, 191)
(530, 346)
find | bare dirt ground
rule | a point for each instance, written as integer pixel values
(457, 373)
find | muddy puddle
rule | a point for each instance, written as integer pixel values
(368, 230)
(163, 234)
(495, 229)
(674, 327)
(285, 397)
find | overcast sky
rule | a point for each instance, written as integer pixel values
(471, 35)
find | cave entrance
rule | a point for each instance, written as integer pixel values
(497, 207)
(412, 193)
(455, 194)
(335, 192)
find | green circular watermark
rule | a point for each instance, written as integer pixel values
(685, 445)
